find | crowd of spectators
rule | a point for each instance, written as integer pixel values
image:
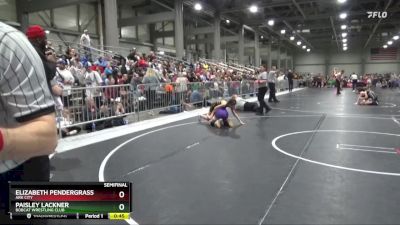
(99, 84)
(386, 80)
(112, 84)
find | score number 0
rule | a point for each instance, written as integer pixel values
(121, 195)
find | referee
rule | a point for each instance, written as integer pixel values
(262, 89)
(27, 123)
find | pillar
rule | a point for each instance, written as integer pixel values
(23, 17)
(256, 50)
(179, 45)
(153, 38)
(217, 37)
(241, 45)
(111, 23)
(278, 66)
(286, 59)
(269, 59)
(327, 73)
(362, 65)
(100, 25)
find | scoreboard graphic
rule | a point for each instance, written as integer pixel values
(56, 200)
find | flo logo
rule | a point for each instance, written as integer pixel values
(380, 15)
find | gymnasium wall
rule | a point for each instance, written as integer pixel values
(351, 61)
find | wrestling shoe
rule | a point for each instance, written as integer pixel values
(218, 123)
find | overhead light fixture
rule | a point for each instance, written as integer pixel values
(390, 42)
(343, 16)
(344, 34)
(271, 22)
(198, 6)
(343, 27)
(385, 46)
(262, 37)
(396, 37)
(227, 21)
(253, 9)
(292, 38)
(308, 50)
(344, 48)
(299, 43)
(304, 47)
(341, 1)
(344, 44)
(161, 52)
(48, 32)
(283, 31)
(344, 40)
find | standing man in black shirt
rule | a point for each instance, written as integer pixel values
(290, 77)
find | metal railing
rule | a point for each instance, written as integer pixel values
(86, 106)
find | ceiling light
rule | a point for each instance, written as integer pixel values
(396, 37)
(390, 42)
(292, 38)
(198, 6)
(345, 40)
(271, 22)
(341, 1)
(299, 43)
(308, 50)
(345, 44)
(343, 27)
(304, 47)
(385, 46)
(228, 21)
(262, 37)
(253, 9)
(343, 16)
(161, 53)
(344, 48)
(283, 31)
(344, 35)
(48, 32)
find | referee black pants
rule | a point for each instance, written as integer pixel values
(337, 86)
(261, 100)
(36, 170)
(354, 84)
(290, 85)
(272, 92)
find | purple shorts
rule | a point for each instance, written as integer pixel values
(222, 113)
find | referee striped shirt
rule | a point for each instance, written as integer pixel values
(24, 94)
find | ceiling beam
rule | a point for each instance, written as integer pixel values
(224, 39)
(163, 5)
(334, 31)
(201, 30)
(29, 6)
(376, 25)
(299, 8)
(159, 34)
(301, 37)
(265, 5)
(147, 19)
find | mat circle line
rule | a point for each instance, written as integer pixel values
(328, 164)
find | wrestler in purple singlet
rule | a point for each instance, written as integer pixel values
(222, 113)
